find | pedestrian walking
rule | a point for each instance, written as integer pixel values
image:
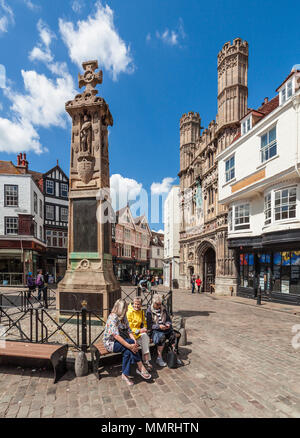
(40, 282)
(193, 284)
(30, 284)
(198, 283)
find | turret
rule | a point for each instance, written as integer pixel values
(232, 82)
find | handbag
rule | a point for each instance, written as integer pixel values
(172, 359)
(123, 332)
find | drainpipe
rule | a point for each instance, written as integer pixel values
(296, 106)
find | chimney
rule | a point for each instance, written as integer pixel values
(22, 163)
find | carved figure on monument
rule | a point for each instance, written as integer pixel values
(86, 136)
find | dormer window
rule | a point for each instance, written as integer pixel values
(286, 92)
(246, 125)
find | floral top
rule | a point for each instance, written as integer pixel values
(113, 324)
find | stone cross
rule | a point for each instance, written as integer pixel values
(90, 79)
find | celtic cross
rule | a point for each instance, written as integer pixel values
(90, 79)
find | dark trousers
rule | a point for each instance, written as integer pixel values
(128, 356)
(44, 290)
(193, 288)
(159, 337)
(199, 291)
(30, 289)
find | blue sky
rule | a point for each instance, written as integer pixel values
(159, 60)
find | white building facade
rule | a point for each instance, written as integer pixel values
(259, 182)
(21, 223)
(156, 253)
(171, 238)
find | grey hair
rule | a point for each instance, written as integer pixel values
(156, 299)
(120, 308)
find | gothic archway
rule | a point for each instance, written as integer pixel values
(207, 265)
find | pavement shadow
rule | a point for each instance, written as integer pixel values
(116, 371)
(190, 313)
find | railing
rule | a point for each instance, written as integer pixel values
(80, 329)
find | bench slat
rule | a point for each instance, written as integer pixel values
(17, 349)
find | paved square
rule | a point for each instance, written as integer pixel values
(242, 364)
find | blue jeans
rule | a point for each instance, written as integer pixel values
(159, 336)
(128, 356)
(193, 288)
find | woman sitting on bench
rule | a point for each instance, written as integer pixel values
(160, 325)
(138, 325)
(118, 338)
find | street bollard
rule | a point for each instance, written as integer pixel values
(84, 326)
(258, 296)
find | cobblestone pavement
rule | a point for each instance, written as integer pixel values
(240, 363)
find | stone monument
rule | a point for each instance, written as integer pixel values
(89, 276)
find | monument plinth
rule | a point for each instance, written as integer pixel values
(89, 276)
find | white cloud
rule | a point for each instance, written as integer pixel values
(123, 190)
(97, 38)
(2, 76)
(16, 135)
(148, 37)
(31, 5)
(168, 37)
(44, 102)
(163, 187)
(77, 6)
(42, 51)
(38, 54)
(41, 104)
(7, 18)
(159, 231)
(172, 37)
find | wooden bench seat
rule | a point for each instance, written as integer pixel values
(26, 353)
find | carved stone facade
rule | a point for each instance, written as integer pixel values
(203, 233)
(90, 269)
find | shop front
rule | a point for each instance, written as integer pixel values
(273, 268)
(11, 269)
(15, 265)
(124, 269)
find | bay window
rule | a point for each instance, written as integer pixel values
(267, 209)
(242, 217)
(285, 204)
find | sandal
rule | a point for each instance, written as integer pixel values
(145, 376)
(129, 382)
(148, 364)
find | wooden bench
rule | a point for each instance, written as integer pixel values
(25, 354)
